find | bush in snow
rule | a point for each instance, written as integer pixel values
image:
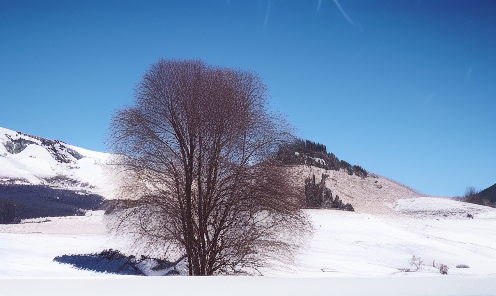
(443, 269)
(416, 262)
(348, 207)
(462, 266)
(313, 193)
(109, 261)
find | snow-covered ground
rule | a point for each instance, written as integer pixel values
(248, 286)
(351, 253)
(354, 253)
(345, 244)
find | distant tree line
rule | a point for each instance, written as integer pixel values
(486, 197)
(19, 202)
(318, 196)
(315, 154)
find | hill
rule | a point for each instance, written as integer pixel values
(32, 160)
(374, 194)
(489, 194)
(41, 177)
(315, 154)
(351, 184)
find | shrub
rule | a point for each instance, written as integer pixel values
(318, 196)
(348, 207)
(416, 262)
(443, 269)
(462, 266)
(109, 261)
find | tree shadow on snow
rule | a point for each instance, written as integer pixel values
(112, 261)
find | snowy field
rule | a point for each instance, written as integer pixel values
(366, 252)
(355, 253)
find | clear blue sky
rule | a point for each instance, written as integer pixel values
(406, 89)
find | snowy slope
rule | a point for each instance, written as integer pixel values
(27, 159)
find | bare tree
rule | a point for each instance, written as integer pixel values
(417, 262)
(470, 191)
(197, 148)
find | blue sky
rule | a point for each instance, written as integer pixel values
(406, 89)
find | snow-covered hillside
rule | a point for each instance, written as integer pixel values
(32, 160)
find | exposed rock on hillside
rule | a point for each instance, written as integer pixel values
(60, 152)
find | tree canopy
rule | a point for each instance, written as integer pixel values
(197, 154)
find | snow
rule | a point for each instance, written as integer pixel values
(354, 244)
(353, 253)
(344, 244)
(350, 253)
(319, 160)
(33, 158)
(241, 286)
